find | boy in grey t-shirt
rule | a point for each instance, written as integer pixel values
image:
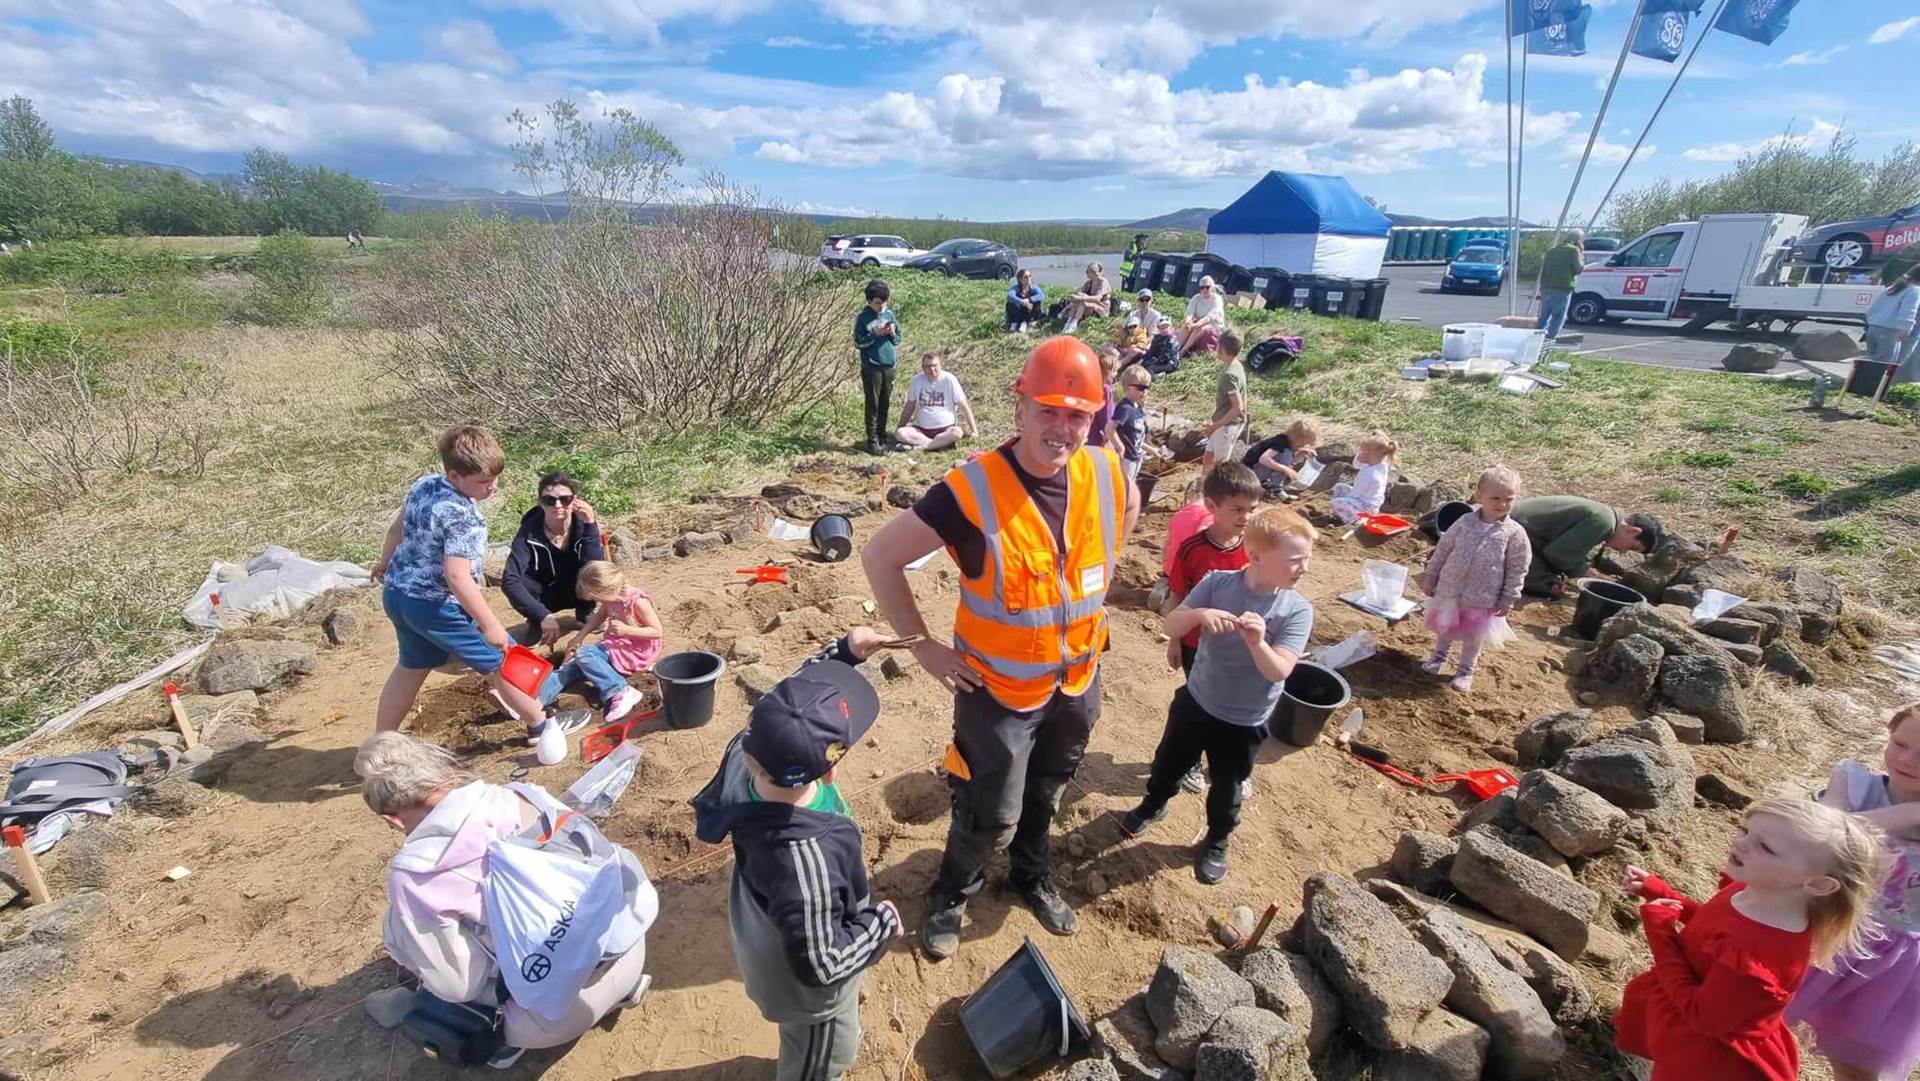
(1253, 628)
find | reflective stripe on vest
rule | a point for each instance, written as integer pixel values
(1031, 623)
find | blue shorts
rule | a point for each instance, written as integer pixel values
(432, 631)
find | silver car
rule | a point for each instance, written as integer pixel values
(866, 249)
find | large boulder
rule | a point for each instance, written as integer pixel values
(1675, 635)
(1780, 658)
(1774, 619)
(1251, 1044)
(1540, 744)
(1753, 358)
(1558, 984)
(251, 664)
(1744, 632)
(1628, 667)
(1422, 860)
(1727, 573)
(1825, 343)
(1093, 1069)
(1811, 590)
(1526, 892)
(1709, 688)
(1686, 728)
(1189, 992)
(1631, 774)
(1387, 982)
(1652, 573)
(1498, 811)
(1446, 1047)
(1526, 1042)
(1289, 985)
(1125, 1037)
(1577, 821)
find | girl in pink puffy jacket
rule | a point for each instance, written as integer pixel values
(1474, 577)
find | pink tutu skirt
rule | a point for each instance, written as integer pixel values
(1447, 619)
(1866, 1012)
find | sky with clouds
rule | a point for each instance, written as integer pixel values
(990, 109)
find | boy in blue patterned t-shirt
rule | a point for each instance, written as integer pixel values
(431, 568)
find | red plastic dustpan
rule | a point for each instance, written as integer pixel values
(525, 669)
(600, 742)
(1384, 525)
(1483, 783)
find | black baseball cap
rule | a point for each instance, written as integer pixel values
(809, 720)
(1650, 531)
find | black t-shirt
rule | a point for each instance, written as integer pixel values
(1273, 442)
(940, 509)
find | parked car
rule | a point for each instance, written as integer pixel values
(1846, 244)
(968, 257)
(866, 249)
(1598, 248)
(1478, 267)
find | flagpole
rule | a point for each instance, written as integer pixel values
(1512, 261)
(1519, 176)
(1560, 224)
(1705, 29)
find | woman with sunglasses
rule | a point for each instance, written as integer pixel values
(557, 537)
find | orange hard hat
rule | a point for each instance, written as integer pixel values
(1063, 371)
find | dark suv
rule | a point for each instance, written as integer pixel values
(968, 257)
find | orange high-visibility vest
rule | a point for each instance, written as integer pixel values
(1035, 620)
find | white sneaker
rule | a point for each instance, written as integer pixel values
(505, 1058)
(622, 703)
(550, 745)
(639, 992)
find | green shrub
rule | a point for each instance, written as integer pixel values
(1670, 494)
(1847, 536)
(289, 281)
(1906, 396)
(91, 267)
(1706, 459)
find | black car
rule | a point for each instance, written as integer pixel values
(969, 258)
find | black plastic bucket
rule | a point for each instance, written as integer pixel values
(1021, 1014)
(1145, 482)
(686, 686)
(1599, 599)
(833, 537)
(1309, 696)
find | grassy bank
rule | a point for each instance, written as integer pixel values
(314, 448)
(804, 235)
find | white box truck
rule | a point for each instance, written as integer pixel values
(1732, 267)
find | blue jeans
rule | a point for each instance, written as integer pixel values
(591, 664)
(1553, 311)
(431, 631)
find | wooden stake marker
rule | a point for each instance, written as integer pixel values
(172, 691)
(16, 839)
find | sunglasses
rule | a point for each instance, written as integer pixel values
(1139, 386)
(557, 500)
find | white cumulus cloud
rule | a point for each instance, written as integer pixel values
(469, 41)
(1887, 33)
(1815, 137)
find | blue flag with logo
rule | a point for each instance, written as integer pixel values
(1756, 20)
(1653, 7)
(1531, 15)
(1660, 35)
(1564, 35)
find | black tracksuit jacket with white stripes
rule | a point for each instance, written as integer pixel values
(803, 874)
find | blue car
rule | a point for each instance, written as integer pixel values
(1478, 268)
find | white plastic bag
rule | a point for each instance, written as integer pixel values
(595, 793)
(558, 902)
(1383, 582)
(1351, 650)
(275, 584)
(1715, 603)
(1306, 474)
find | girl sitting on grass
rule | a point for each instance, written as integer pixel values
(1795, 891)
(631, 644)
(1474, 577)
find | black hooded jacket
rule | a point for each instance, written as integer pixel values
(539, 579)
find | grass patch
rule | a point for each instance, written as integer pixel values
(1706, 459)
(1803, 485)
(1670, 494)
(1763, 450)
(1848, 536)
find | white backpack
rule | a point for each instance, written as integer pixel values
(559, 899)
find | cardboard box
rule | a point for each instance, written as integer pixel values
(1247, 300)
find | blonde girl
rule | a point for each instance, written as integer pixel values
(632, 641)
(1474, 577)
(1375, 459)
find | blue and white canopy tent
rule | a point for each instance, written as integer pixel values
(1302, 223)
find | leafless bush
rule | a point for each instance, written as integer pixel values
(71, 413)
(600, 322)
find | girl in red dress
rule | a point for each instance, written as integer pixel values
(1796, 890)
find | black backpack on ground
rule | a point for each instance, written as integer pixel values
(1274, 353)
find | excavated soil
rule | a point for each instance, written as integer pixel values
(256, 965)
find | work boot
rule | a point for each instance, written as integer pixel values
(940, 934)
(1138, 821)
(1211, 867)
(1051, 909)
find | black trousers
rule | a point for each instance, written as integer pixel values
(1020, 313)
(1021, 762)
(876, 385)
(1229, 750)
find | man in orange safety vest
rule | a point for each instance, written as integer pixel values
(1035, 527)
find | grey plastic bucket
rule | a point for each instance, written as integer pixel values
(1310, 695)
(832, 536)
(1021, 1014)
(1599, 599)
(687, 683)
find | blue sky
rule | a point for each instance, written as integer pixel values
(990, 109)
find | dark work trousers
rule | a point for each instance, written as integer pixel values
(1021, 762)
(1018, 313)
(876, 384)
(1229, 750)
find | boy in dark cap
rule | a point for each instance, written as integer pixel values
(804, 930)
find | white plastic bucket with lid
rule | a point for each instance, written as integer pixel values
(1519, 348)
(1463, 341)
